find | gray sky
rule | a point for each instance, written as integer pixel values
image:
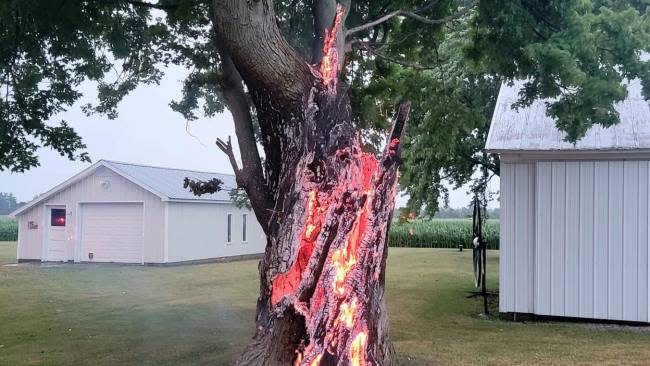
(147, 132)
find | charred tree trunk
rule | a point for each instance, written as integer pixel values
(322, 292)
(322, 276)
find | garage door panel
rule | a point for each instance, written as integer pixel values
(113, 232)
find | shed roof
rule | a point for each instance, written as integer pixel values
(169, 181)
(530, 129)
(166, 183)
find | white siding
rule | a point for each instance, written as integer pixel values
(30, 241)
(558, 234)
(199, 231)
(517, 255)
(587, 240)
(601, 230)
(542, 304)
(90, 189)
(590, 243)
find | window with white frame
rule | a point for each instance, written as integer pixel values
(229, 230)
(243, 227)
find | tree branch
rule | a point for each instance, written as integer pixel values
(367, 47)
(409, 14)
(237, 101)
(271, 68)
(494, 168)
(251, 175)
(403, 111)
(226, 147)
(152, 5)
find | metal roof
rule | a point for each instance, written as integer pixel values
(530, 129)
(168, 182)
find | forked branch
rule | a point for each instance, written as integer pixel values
(226, 147)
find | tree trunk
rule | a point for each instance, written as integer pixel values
(322, 276)
(322, 289)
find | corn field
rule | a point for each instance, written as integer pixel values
(421, 233)
(440, 233)
(8, 229)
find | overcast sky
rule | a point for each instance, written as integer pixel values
(147, 132)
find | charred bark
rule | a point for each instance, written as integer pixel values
(322, 292)
(322, 276)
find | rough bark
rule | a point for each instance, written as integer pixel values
(322, 291)
(322, 276)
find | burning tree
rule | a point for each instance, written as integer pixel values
(327, 204)
(281, 68)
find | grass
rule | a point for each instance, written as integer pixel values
(203, 314)
(8, 228)
(440, 233)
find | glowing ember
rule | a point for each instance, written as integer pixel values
(330, 63)
(336, 303)
(346, 313)
(287, 282)
(357, 352)
(344, 259)
(316, 361)
(342, 266)
(393, 143)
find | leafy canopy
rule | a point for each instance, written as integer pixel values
(450, 62)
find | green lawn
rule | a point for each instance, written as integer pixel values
(202, 314)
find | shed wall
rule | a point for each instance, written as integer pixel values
(517, 251)
(90, 189)
(576, 234)
(199, 231)
(30, 241)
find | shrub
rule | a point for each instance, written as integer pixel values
(440, 233)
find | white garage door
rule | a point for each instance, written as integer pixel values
(112, 232)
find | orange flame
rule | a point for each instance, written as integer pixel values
(357, 352)
(330, 63)
(344, 259)
(313, 223)
(348, 309)
(342, 266)
(316, 361)
(346, 314)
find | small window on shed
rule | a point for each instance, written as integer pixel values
(229, 231)
(243, 227)
(57, 217)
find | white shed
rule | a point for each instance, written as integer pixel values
(127, 213)
(574, 218)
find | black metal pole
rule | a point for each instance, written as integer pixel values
(484, 280)
(483, 246)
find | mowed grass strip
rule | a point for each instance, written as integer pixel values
(203, 314)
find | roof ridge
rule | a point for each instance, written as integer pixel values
(162, 167)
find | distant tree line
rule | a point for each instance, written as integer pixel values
(404, 214)
(8, 203)
(463, 212)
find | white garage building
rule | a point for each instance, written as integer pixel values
(127, 213)
(574, 218)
